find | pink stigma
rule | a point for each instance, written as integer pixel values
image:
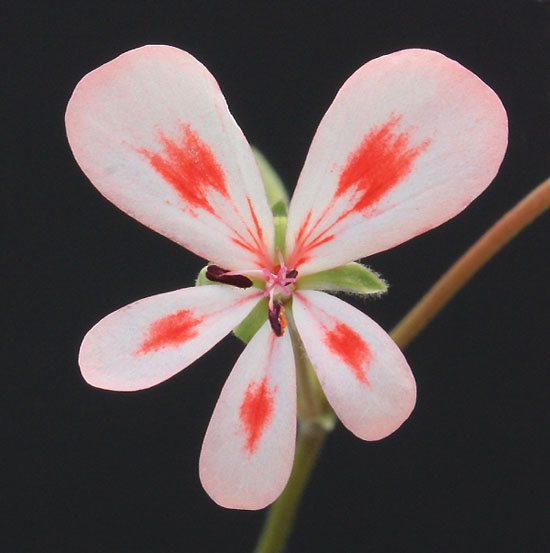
(279, 281)
(276, 281)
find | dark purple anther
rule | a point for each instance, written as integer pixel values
(217, 274)
(277, 319)
(293, 273)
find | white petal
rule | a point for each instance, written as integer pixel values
(363, 373)
(409, 141)
(152, 339)
(152, 131)
(248, 449)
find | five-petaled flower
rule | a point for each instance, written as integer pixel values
(409, 141)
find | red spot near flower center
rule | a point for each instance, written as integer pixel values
(381, 161)
(351, 348)
(256, 412)
(190, 167)
(170, 331)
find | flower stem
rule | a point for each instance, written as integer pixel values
(510, 224)
(280, 517)
(311, 434)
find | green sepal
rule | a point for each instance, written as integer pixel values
(255, 319)
(201, 279)
(274, 187)
(279, 220)
(353, 278)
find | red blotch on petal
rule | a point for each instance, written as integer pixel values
(351, 348)
(190, 167)
(381, 161)
(256, 412)
(170, 331)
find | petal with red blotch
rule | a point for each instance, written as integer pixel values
(152, 339)
(248, 449)
(409, 141)
(363, 373)
(152, 131)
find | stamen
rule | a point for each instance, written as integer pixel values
(277, 319)
(217, 274)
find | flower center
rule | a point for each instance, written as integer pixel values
(279, 284)
(281, 281)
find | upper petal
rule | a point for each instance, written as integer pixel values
(152, 339)
(363, 373)
(152, 131)
(248, 449)
(409, 141)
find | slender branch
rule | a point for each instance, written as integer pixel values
(510, 224)
(314, 423)
(281, 514)
(309, 402)
(312, 432)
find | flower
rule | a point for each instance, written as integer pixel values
(409, 141)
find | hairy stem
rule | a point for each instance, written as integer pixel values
(311, 433)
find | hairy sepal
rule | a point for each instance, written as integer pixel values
(352, 278)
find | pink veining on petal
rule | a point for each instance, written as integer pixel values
(170, 331)
(256, 412)
(190, 167)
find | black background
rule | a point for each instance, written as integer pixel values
(90, 470)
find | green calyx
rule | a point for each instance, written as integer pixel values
(201, 279)
(252, 323)
(274, 187)
(277, 197)
(279, 220)
(353, 278)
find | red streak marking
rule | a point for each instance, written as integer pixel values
(256, 224)
(350, 347)
(190, 167)
(170, 331)
(302, 248)
(381, 161)
(256, 412)
(257, 247)
(303, 227)
(320, 241)
(244, 245)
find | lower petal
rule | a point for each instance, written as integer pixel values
(152, 339)
(363, 373)
(248, 449)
